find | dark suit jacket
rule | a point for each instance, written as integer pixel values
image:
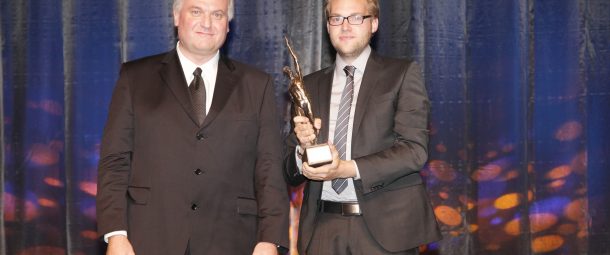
(389, 145)
(169, 182)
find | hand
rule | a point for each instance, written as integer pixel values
(119, 245)
(336, 169)
(304, 131)
(265, 248)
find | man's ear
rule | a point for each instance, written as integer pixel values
(176, 18)
(374, 24)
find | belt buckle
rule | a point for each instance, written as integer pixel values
(350, 209)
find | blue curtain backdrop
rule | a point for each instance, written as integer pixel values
(520, 94)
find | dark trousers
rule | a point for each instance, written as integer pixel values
(335, 234)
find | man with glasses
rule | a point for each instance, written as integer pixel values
(191, 154)
(374, 110)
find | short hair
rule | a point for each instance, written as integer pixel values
(230, 11)
(372, 4)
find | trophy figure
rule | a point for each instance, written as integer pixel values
(316, 154)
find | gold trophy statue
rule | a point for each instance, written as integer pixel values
(316, 154)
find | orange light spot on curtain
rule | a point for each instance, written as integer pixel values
(575, 210)
(581, 191)
(579, 163)
(54, 182)
(513, 227)
(547, 243)
(470, 205)
(44, 155)
(568, 131)
(473, 228)
(441, 148)
(542, 221)
(467, 201)
(559, 172)
(10, 214)
(557, 184)
(507, 201)
(512, 174)
(8, 201)
(567, 229)
(88, 187)
(487, 172)
(47, 202)
(89, 234)
(448, 215)
(442, 170)
(583, 233)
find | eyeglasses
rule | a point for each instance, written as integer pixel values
(352, 20)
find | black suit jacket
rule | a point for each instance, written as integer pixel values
(389, 145)
(169, 182)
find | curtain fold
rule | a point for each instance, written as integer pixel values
(519, 92)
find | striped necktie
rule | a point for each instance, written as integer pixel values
(340, 141)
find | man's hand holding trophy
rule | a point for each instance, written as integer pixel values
(314, 154)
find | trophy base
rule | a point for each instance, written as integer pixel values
(318, 155)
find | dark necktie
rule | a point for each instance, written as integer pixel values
(342, 123)
(197, 89)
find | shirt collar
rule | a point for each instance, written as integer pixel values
(359, 62)
(188, 66)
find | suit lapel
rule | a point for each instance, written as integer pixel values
(369, 79)
(225, 82)
(173, 76)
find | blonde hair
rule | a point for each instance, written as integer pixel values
(373, 6)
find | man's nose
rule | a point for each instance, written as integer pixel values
(206, 20)
(346, 26)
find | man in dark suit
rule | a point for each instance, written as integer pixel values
(371, 198)
(191, 154)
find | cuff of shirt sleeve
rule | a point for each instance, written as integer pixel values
(357, 171)
(114, 233)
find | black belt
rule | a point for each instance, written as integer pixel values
(345, 209)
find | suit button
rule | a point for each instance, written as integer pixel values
(200, 137)
(194, 207)
(198, 171)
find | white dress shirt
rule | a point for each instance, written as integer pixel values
(339, 80)
(209, 71)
